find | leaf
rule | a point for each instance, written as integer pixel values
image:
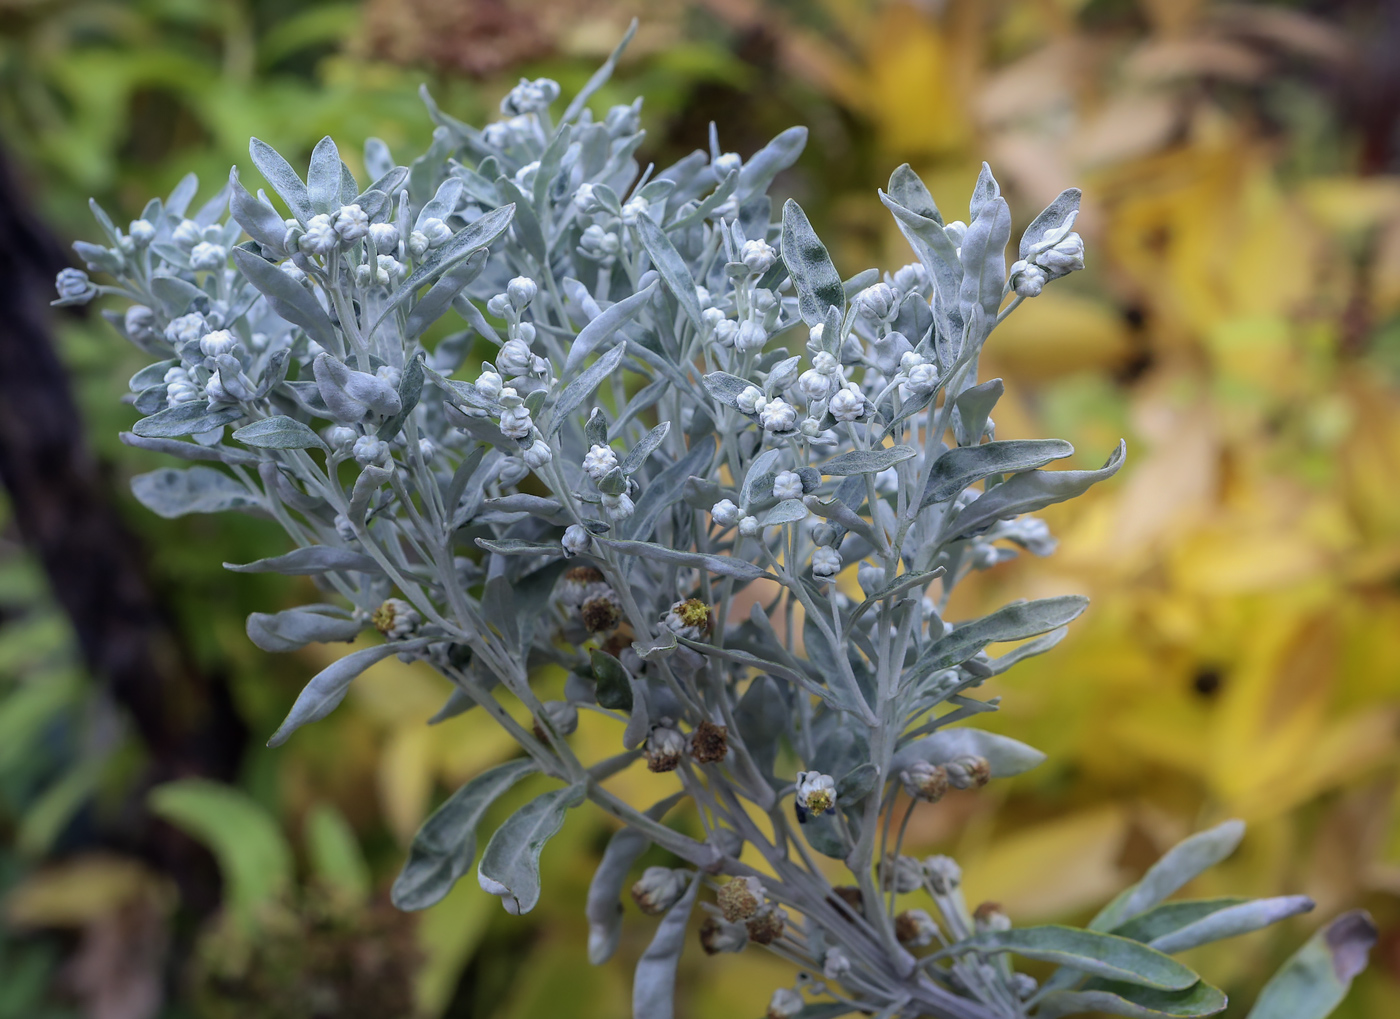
(283, 179)
(671, 267)
(603, 325)
(176, 294)
(279, 432)
(759, 169)
(510, 867)
(1015, 621)
(725, 388)
(643, 449)
(337, 861)
(983, 254)
(789, 511)
(309, 561)
(1180, 864)
(258, 220)
(1052, 218)
(519, 546)
(1171, 916)
(971, 408)
(434, 304)
(189, 450)
(962, 465)
(445, 845)
(600, 77)
(666, 488)
(1006, 756)
(295, 628)
(724, 566)
(410, 391)
(582, 387)
(761, 716)
(1232, 921)
(868, 461)
(479, 233)
(614, 685)
(185, 419)
(1103, 955)
(288, 298)
(171, 492)
(654, 984)
(909, 190)
(1029, 492)
(816, 279)
(323, 177)
(1316, 979)
(604, 910)
(253, 856)
(713, 201)
(1134, 1002)
(759, 478)
(328, 688)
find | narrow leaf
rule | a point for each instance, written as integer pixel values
(867, 461)
(1102, 955)
(288, 298)
(1029, 492)
(582, 387)
(1180, 864)
(308, 561)
(1134, 1002)
(1232, 922)
(279, 432)
(603, 326)
(817, 281)
(723, 566)
(510, 866)
(328, 688)
(671, 267)
(654, 984)
(283, 179)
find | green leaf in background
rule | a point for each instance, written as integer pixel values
(337, 861)
(253, 855)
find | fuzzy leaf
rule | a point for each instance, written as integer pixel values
(724, 566)
(603, 325)
(1006, 756)
(963, 465)
(279, 432)
(1180, 864)
(185, 419)
(1102, 955)
(817, 281)
(759, 169)
(604, 910)
(671, 267)
(295, 628)
(867, 461)
(1231, 922)
(283, 179)
(582, 387)
(1015, 621)
(445, 845)
(309, 561)
(643, 449)
(171, 492)
(1134, 1002)
(510, 866)
(288, 298)
(328, 688)
(654, 984)
(1029, 492)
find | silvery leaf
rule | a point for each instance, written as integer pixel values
(1029, 492)
(288, 298)
(604, 910)
(309, 561)
(1231, 922)
(983, 255)
(1052, 220)
(295, 628)
(971, 408)
(759, 169)
(519, 546)
(328, 687)
(260, 221)
(510, 866)
(868, 461)
(442, 204)
(189, 450)
(715, 199)
(725, 388)
(409, 392)
(445, 845)
(909, 191)
(817, 281)
(1101, 955)
(283, 179)
(171, 493)
(279, 432)
(323, 177)
(1172, 916)
(1016, 621)
(671, 267)
(1182, 863)
(479, 233)
(434, 304)
(758, 480)
(664, 490)
(654, 984)
(724, 566)
(964, 465)
(643, 449)
(607, 322)
(1117, 998)
(600, 77)
(761, 717)
(581, 388)
(1007, 756)
(786, 512)
(1314, 981)
(185, 419)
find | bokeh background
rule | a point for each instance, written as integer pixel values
(1239, 324)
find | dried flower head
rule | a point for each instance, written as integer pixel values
(709, 743)
(740, 898)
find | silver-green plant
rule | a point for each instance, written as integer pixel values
(534, 515)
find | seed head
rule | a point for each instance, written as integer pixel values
(709, 743)
(740, 899)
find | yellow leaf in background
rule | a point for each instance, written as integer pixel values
(1059, 333)
(405, 779)
(81, 890)
(911, 93)
(1081, 850)
(447, 935)
(1351, 204)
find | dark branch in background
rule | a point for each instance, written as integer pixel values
(95, 566)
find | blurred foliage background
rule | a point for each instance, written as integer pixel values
(1239, 323)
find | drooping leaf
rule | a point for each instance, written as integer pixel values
(964, 465)
(1029, 492)
(1314, 981)
(445, 845)
(328, 688)
(1134, 1002)
(654, 984)
(604, 909)
(295, 628)
(510, 866)
(171, 492)
(1180, 864)
(288, 298)
(310, 560)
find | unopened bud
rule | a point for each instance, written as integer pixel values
(658, 889)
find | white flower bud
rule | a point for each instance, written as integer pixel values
(1064, 257)
(726, 163)
(943, 873)
(521, 291)
(903, 874)
(141, 232)
(389, 375)
(824, 363)
(633, 209)
(369, 450)
(384, 238)
(489, 385)
(139, 322)
(530, 97)
(664, 747)
(658, 889)
(214, 391)
(538, 454)
(923, 379)
(785, 1004)
(186, 329)
(320, 237)
(181, 391)
(207, 257)
(758, 256)
(220, 341)
(293, 272)
(427, 449)
(516, 422)
(576, 540)
(778, 415)
(826, 561)
(750, 336)
(711, 317)
(351, 223)
(749, 527)
(816, 793)
(725, 513)
(417, 244)
(188, 234)
(340, 436)
(911, 279)
(514, 358)
(876, 302)
(511, 470)
(436, 231)
(525, 176)
(726, 332)
(813, 385)
(586, 201)
(835, 966)
(702, 297)
(847, 404)
(598, 462)
(618, 507)
(787, 485)
(1027, 279)
(598, 244)
(870, 577)
(396, 619)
